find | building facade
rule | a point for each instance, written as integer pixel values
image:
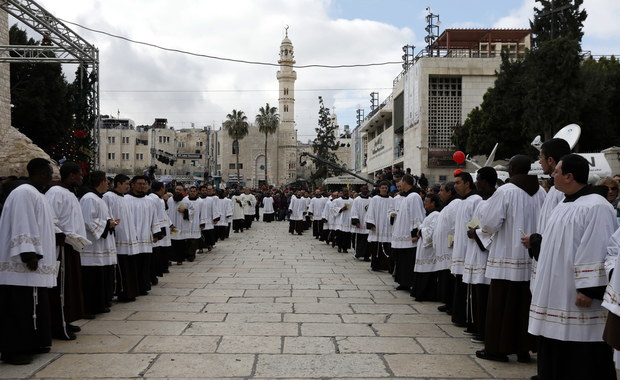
(413, 126)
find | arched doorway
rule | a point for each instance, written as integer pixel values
(259, 173)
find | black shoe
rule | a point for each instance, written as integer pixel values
(124, 300)
(107, 309)
(443, 308)
(344, 251)
(73, 328)
(402, 287)
(40, 350)
(524, 358)
(179, 262)
(366, 259)
(88, 316)
(339, 250)
(459, 324)
(154, 281)
(482, 354)
(60, 335)
(16, 359)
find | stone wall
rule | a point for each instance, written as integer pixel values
(15, 148)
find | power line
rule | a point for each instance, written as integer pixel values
(248, 90)
(229, 59)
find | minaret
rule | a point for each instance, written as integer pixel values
(287, 135)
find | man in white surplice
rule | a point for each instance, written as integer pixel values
(27, 267)
(358, 216)
(297, 209)
(566, 312)
(511, 212)
(341, 210)
(378, 223)
(409, 217)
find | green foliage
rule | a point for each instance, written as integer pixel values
(237, 126)
(39, 94)
(550, 88)
(558, 18)
(268, 121)
(324, 145)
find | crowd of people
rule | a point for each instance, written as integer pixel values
(520, 267)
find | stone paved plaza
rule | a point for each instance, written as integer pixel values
(265, 304)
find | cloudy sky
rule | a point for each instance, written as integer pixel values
(143, 83)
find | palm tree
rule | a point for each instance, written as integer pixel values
(267, 120)
(236, 125)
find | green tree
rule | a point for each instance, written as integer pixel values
(39, 94)
(237, 126)
(325, 144)
(268, 121)
(558, 18)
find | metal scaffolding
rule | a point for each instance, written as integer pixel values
(61, 45)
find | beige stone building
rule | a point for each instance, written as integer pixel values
(282, 154)
(413, 127)
(185, 155)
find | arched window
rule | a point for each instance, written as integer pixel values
(235, 147)
(285, 108)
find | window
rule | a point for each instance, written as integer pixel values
(139, 156)
(235, 147)
(125, 156)
(286, 91)
(111, 140)
(192, 163)
(197, 151)
(125, 140)
(231, 166)
(285, 108)
(180, 144)
(218, 148)
(240, 166)
(111, 156)
(444, 110)
(198, 143)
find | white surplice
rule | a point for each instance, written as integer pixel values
(425, 255)
(443, 236)
(358, 211)
(145, 220)
(195, 207)
(96, 214)
(611, 300)
(69, 215)
(249, 204)
(464, 214)
(163, 220)
(409, 216)
(552, 199)
(182, 226)
(297, 208)
(27, 225)
(341, 211)
(238, 207)
(223, 209)
(378, 214)
(327, 215)
(510, 212)
(572, 256)
(475, 266)
(268, 205)
(126, 236)
(209, 212)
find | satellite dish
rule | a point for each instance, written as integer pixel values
(537, 142)
(570, 133)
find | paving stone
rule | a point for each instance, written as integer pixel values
(376, 344)
(134, 328)
(115, 314)
(81, 366)
(160, 306)
(297, 299)
(462, 345)
(176, 366)
(203, 300)
(176, 316)
(308, 345)
(250, 345)
(251, 300)
(382, 309)
(419, 318)
(249, 308)
(97, 344)
(267, 293)
(178, 344)
(159, 291)
(336, 329)
(210, 292)
(354, 293)
(347, 300)
(235, 328)
(254, 317)
(328, 318)
(322, 308)
(364, 318)
(423, 365)
(8, 371)
(408, 329)
(508, 370)
(304, 366)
